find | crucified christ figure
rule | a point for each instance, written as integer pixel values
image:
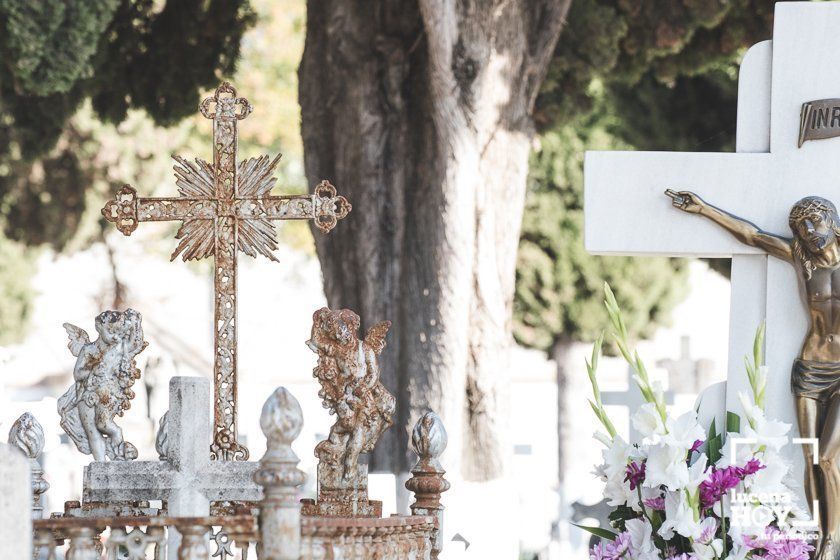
(814, 250)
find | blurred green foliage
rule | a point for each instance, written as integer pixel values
(120, 54)
(653, 75)
(559, 286)
(16, 271)
(86, 88)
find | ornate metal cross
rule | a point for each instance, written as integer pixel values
(226, 208)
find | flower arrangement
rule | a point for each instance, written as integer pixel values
(688, 493)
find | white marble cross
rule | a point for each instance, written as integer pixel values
(187, 480)
(627, 212)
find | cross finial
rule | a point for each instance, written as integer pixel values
(226, 102)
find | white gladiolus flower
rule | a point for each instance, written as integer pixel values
(684, 431)
(648, 423)
(641, 539)
(616, 457)
(769, 480)
(705, 545)
(744, 452)
(679, 517)
(697, 473)
(618, 493)
(666, 466)
(658, 392)
(771, 434)
(603, 438)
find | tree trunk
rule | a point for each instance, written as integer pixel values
(420, 113)
(560, 354)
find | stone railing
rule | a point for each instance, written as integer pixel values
(272, 529)
(389, 538)
(138, 538)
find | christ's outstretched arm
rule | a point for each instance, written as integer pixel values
(746, 232)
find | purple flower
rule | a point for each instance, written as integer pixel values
(776, 545)
(715, 487)
(611, 550)
(752, 467)
(721, 481)
(697, 445)
(635, 474)
(655, 503)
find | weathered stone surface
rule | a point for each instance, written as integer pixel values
(391, 538)
(104, 373)
(281, 421)
(28, 436)
(348, 371)
(15, 503)
(342, 501)
(429, 441)
(187, 481)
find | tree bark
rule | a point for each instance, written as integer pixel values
(420, 113)
(560, 354)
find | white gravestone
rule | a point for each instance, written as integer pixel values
(15, 504)
(627, 212)
(187, 480)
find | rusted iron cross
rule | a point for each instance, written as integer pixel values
(226, 208)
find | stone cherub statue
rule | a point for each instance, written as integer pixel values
(814, 251)
(348, 371)
(104, 373)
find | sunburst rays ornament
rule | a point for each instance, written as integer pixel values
(225, 208)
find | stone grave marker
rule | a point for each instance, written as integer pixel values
(15, 497)
(185, 477)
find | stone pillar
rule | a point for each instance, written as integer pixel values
(193, 545)
(429, 441)
(83, 541)
(28, 436)
(15, 504)
(281, 421)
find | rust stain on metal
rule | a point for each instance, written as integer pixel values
(225, 207)
(348, 371)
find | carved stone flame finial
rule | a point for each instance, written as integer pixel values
(429, 441)
(28, 436)
(281, 421)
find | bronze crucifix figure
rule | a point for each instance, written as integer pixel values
(226, 207)
(814, 251)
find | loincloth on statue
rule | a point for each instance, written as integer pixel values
(815, 380)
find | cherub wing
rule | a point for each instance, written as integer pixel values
(375, 337)
(78, 338)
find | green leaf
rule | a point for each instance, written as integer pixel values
(620, 515)
(598, 532)
(714, 444)
(733, 423)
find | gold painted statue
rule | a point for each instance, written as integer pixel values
(814, 250)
